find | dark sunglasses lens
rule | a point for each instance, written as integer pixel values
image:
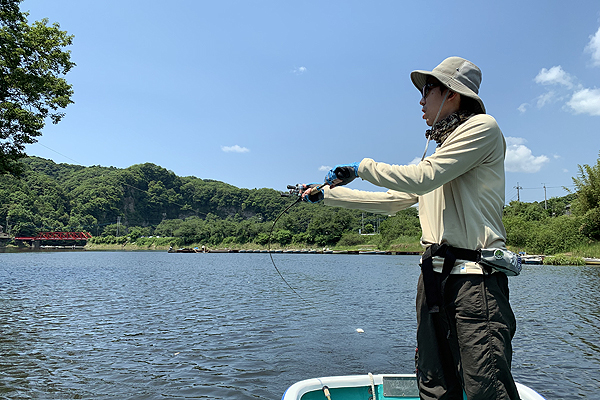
(426, 89)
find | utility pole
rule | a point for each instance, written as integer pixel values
(118, 223)
(518, 193)
(545, 200)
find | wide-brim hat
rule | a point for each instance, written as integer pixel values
(457, 74)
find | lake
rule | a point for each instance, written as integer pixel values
(152, 325)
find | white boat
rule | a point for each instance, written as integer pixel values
(532, 260)
(385, 387)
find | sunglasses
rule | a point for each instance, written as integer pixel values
(427, 89)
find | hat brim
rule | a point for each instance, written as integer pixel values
(419, 79)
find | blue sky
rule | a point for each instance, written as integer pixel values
(269, 93)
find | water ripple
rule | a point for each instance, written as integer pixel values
(223, 326)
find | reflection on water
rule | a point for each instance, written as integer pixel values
(224, 326)
(556, 346)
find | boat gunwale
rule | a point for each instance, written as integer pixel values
(299, 389)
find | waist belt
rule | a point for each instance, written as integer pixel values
(434, 283)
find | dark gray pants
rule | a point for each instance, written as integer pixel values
(467, 345)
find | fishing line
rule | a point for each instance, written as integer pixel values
(297, 190)
(271, 254)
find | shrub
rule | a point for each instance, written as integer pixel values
(591, 224)
(518, 231)
(350, 239)
(562, 259)
(302, 237)
(283, 237)
(262, 238)
(555, 235)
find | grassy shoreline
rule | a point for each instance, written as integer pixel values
(555, 259)
(124, 247)
(403, 244)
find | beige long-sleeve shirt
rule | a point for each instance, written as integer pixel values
(459, 189)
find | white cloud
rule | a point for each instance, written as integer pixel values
(554, 76)
(324, 168)
(585, 101)
(513, 141)
(519, 157)
(523, 107)
(299, 71)
(593, 47)
(234, 149)
(546, 98)
(575, 97)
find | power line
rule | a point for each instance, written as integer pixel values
(59, 153)
(547, 187)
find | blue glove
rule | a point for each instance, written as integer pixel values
(345, 172)
(316, 197)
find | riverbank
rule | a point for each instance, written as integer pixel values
(588, 253)
(366, 243)
(125, 247)
(397, 249)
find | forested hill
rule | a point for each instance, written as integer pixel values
(151, 200)
(62, 195)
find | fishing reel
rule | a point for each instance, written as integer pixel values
(314, 196)
(294, 190)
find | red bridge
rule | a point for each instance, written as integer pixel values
(58, 236)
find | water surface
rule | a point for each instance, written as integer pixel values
(152, 325)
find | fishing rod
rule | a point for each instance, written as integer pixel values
(296, 191)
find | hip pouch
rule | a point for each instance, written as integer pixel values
(501, 260)
(496, 259)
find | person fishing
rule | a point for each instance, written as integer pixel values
(465, 323)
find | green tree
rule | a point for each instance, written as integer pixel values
(168, 227)
(32, 85)
(283, 237)
(558, 205)
(518, 231)
(555, 235)
(327, 227)
(587, 203)
(139, 231)
(82, 222)
(21, 220)
(404, 224)
(528, 211)
(587, 184)
(116, 230)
